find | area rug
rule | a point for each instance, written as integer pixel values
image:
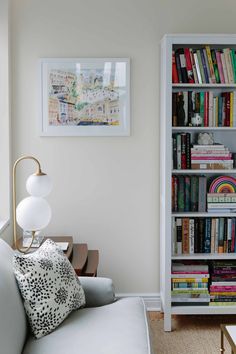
(190, 334)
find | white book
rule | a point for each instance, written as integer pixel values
(224, 68)
(197, 68)
(210, 109)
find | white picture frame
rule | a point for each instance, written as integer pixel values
(84, 97)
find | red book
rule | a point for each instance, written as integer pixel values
(185, 235)
(189, 65)
(206, 109)
(175, 78)
(183, 151)
(233, 236)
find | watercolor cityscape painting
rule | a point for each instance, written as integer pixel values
(85, 96)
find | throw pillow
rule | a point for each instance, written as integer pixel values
(49, 287)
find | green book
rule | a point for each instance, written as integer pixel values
(233, 59)
(215, 67)
(201, 95)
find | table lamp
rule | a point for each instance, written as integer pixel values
(33, 213)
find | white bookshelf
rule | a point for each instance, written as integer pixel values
(224, 135)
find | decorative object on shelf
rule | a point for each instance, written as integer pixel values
(205, 139)
(85, 97)
(223, 184)
(196, 120)
(33, 213)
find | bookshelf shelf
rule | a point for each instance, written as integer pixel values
(205, 256)
(203, 310)
(223, 135)
(203, 215)
(200, 129)
(194, 172)
(212, 86)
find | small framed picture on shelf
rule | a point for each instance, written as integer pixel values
(85, 97)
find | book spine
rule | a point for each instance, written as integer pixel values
(201, 234)
(183, 65)
(195, 56)
(224, 67)
(207, 65)
(207, 240)
(210, 110)
(202, 189)
(233, 58)
(187, 194)
(196, 239)
(183, 151)
(191, 236)
(206, 109)
(189, 65)
(202, 104)
(188, 151)
(221, 236)
(210, 63)
(231, 110)
(229, 234)
(174, 110)
(181, 194)
(194, 193)
(190, 107)
(220, 67)
(178, 138)
(179, 235)
(174, 149)
(195, 76)
(204, 66)
(175, 78)
(213, 232)
(228, 63)
(201, 66)
(215, 66)
(178, 66)
(185, 235)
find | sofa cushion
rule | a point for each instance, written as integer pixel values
(118, 328)
(49, 287)
(13, 325)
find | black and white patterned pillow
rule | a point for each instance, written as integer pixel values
(49, 286)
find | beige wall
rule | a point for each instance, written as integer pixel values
(105, 189)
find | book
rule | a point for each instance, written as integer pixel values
(222, 56)
(204, 66)
(220, 67)
(195, 76)
(210, 64)
(189, 65)
(175, 78)
(199, 77)
(201, 66)
(183, 65)
(185, 236)
(178, 66)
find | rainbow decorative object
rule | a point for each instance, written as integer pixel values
(223, 184)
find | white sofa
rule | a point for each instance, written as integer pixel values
(105, 326)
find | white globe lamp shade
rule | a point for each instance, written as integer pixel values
(33, 214)
(39, 185)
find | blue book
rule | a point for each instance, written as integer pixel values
(220, 111)
(204, 66)
(207, 240)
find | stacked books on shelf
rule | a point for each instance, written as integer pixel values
(204, 65)
(190, 284)
(189, 193)
(181, 157)
(223, 283)
(221, 202)
(215, 156)
(215, 109)
(204, 235)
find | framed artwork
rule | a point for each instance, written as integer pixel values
(85, 97)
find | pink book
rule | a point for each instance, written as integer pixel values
(200, 157)
(190, 272)
(220, 67)
(222, 288)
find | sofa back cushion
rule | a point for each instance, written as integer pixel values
(13, 325)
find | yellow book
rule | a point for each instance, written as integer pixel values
(220, 293)
(231, 109)
(222, 303)
(209, 58)
(190, 280)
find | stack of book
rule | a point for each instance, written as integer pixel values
(204, 65)
(215, 110)
(221, 202)
(181, 144)
(190, 284)
(204, 235)
(223, 283)
(215, 156)
(189, 193)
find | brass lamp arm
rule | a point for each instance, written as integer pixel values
(38, 173)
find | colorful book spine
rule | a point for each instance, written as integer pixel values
(220, 67)
(175, 78)
(189, 65)
(210, 63)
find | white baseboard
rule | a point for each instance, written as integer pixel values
(152, 301)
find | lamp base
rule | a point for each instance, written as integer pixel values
(27, 239)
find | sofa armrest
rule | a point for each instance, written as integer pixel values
(98, 291)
